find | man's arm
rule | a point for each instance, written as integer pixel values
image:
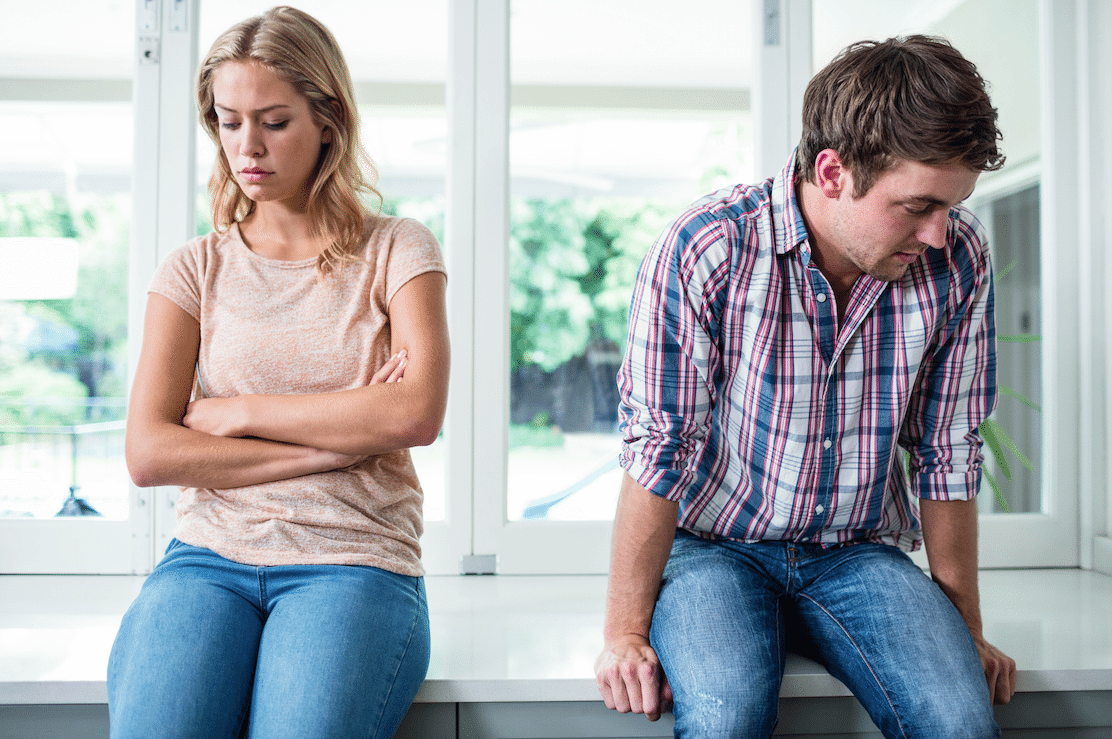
(950, 536)
(628, 671)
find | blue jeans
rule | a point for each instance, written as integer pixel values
(728, 612)
(217, 650)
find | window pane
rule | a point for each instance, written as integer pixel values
(608, 143)
(65, 163)
(399, 86)
(1006, 201)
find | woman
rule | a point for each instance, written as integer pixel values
(291, 602)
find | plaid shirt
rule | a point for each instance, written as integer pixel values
(743, 399)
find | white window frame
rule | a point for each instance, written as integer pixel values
(1047, 539)
(1076, 218)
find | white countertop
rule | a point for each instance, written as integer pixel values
(514, 638)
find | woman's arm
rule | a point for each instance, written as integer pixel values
(161, 451)
(378, 418)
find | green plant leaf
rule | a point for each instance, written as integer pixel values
(1021, 398)
(996, 492)
(989, 430)
(1004, 272)
(1020, 338)
(1006, 440)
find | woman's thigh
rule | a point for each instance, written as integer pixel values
(887, 631)
(183, 661)
(717, 629)
(343, 652)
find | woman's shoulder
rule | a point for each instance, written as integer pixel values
(392, 239)
(207, 246)
(380, 229)
(400, 249)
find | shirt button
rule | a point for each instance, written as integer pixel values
(821, 297)
(826, 444)
(819, 509)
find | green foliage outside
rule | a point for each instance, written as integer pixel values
(96, 315)
(572, 268)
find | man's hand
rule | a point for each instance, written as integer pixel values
(950, 534)
(999, 671)
(631, 679)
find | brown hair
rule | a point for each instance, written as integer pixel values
(914, 98)
(300, 50)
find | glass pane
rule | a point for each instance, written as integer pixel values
(399, 86)
(65, 214)
(622, 114)
(1006, 201)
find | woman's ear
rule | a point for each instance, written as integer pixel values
(326, 135)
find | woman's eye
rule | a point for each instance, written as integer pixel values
(228, 125)
(276, 126)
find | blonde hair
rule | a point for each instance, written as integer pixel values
(300, 50)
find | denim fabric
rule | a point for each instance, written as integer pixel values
(301, 651)
(728, 612)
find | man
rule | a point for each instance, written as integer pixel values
(787, 343)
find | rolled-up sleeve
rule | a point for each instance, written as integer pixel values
(956, 388)
(665, 382)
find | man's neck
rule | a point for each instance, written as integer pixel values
(838, 271)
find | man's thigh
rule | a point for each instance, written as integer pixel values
(718, 631)
(886, 630)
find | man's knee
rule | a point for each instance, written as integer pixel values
(725, 714)
(944, 717)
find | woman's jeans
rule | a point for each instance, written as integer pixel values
(211, 648)
(728, 611)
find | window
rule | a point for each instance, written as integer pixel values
(619, 117)
(65, 215)
(547, 147)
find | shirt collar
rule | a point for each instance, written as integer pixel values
(790, 230)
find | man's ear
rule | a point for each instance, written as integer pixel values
(831, 176)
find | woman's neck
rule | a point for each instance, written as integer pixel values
(276, 232)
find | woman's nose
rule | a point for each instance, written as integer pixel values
(251, 145)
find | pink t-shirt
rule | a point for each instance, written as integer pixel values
(274, 327)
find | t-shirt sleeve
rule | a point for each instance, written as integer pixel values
(413, 251)
(179, 277)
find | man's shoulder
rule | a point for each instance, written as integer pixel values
(728, 212)
(968, 241)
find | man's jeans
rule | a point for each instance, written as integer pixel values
(305, 651)
(728, 611)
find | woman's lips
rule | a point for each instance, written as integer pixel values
(254, 174)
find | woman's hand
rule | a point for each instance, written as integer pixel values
(393, 370)
(217, 416)
(229, 416)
